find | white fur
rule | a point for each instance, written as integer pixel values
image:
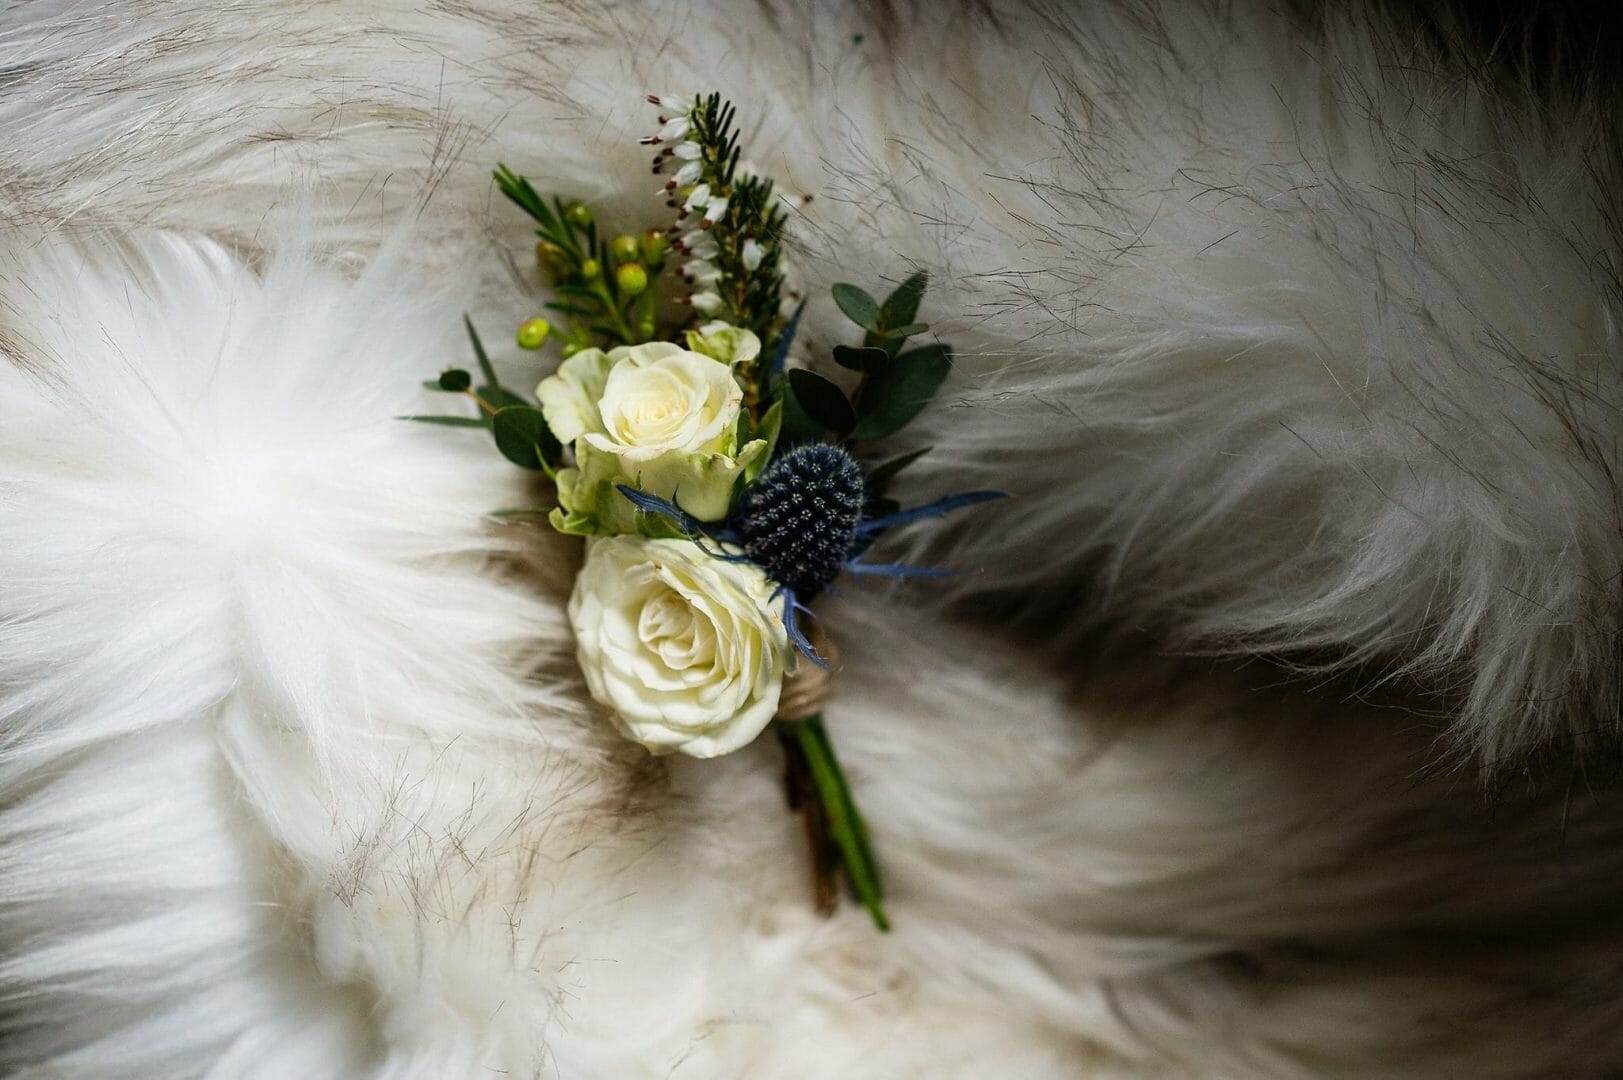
(1282, 350)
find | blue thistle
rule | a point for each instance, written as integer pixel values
(799, 520)
(802, 522)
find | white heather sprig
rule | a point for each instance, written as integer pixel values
(728, 225)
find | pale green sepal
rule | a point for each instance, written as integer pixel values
(766, 432)
(732, 345)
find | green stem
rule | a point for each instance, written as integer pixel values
(611, 309)
(845, 825)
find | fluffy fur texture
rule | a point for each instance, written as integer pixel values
(1297, 340)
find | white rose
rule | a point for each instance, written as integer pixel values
(687, 649)
(661, 417)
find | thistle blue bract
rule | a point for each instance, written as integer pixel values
(799, 520)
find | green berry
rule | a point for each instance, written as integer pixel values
(631, 278)
(578, 216)
(590, 270)
(654, 245)
(550, 257)
(533, 333)
(624, 248)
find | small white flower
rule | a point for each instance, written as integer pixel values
(701, 273)
(687, 151)
(706, 303)
(687, 649)
(671, 102)
(697, 198)
(674, 129)
(753, 253)
(687, 174)
(703, 248)
(714, 210)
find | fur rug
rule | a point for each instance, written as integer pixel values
(1271, 736)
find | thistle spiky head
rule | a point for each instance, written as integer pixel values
(799, 519)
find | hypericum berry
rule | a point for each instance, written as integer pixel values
(632, 279)
(533, 333)
(654, 244)
(799, 519)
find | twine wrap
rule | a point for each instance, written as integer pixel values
(806, 688)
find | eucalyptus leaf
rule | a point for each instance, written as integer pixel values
(796, 426)
(897, 393)
(523, 437)
(860, 358)
(894, 333)
(858, 306)
(896, 323)
(446, 421)
(822, 401)
(882, 474)
(454, 380)
(902, 306)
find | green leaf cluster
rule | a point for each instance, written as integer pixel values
(895, 383)
(519, 429)
(584, 270)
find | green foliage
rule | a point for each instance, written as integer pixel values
(895, 385)
(523, 437)
(447, 421)
(860, 358)
(518, 428)
(858, 306)
(902, 306)
(887, 325)
(499, 397)
(813, 405)
(619, 308)
(485, 367)
(900, 390)
(881, 475)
